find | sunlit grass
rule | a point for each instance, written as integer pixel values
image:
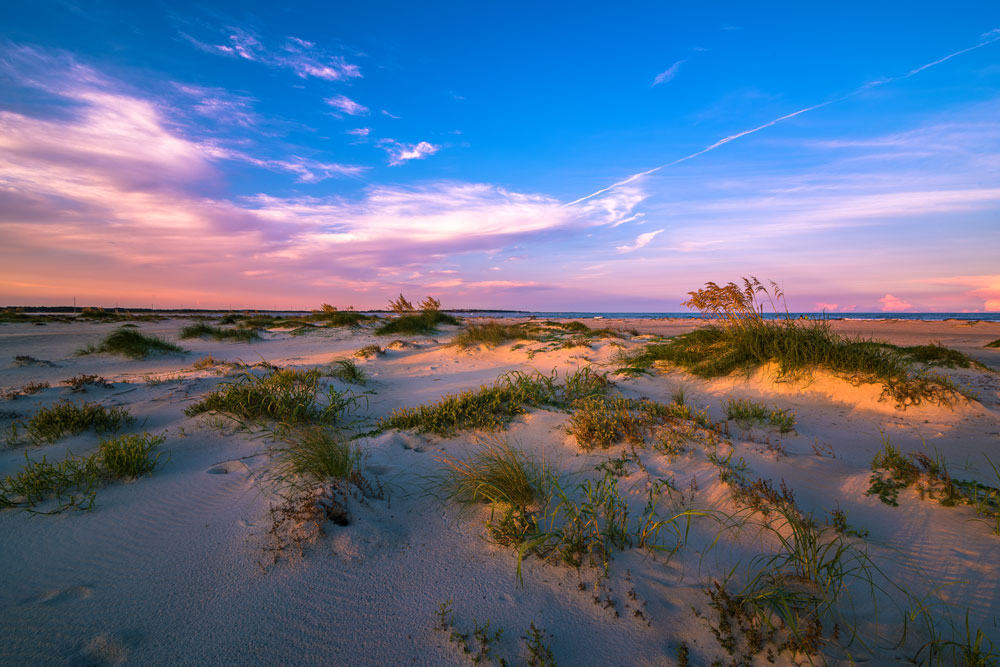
(201, 330)
(415, 324)
(130, 343)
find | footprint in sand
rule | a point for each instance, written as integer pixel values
(61, 595)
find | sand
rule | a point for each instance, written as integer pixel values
(177, 567)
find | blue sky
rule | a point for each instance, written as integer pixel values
(259, 156)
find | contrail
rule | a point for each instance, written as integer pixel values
(993, 36)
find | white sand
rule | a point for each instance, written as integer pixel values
(173, 568)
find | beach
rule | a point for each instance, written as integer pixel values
(205, 560)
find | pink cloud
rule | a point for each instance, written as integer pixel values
(400, 153)
(892, 304)
(347, 105)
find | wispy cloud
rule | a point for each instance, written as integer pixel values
(386, 113)
(668, 74)
(304, 58)
(988, 38)
(360, 131)
(347, 105)
(641, 241)
(399, 153)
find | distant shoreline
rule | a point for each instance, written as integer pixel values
(605, 315)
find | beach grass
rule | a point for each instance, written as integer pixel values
(490, 334)
(67, 418)
(347, 370)
(746, 413)
(316, 454)
(201, 330)
(285, 397)
(369, 351)
(73, 482)
(994, 344)
(416, 323)
(502, 476)
(132, 343)
(492, 407)
(742, 340)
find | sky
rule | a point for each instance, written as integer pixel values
(536, 156)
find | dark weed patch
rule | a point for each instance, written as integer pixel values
(25, 390)
(131, 343)
(80, 382)
(369, 351)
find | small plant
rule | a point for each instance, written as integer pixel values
(995, 343)
(746, 413)
(205, 362)
(369, 351)
(26, 390)
(131, 343)
(27, 360)
(67, 418)
(80, 382)
(429, 304)
(401, 305)
(538, 650)
(347, 370)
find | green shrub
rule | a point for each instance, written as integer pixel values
(131, 343)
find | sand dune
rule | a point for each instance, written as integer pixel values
(180, 567)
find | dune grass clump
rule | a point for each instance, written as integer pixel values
(347, 370)
(415, 324)
(286, 397)
(599, 421)
(995, 343)
(490, 334)
(201, 330)
(491, 408)
(339, 318)
(131, 343)
(316, 454)
(80, 382)
(67, 418)
(893, 471)
(130, 456)
(73, 482)
(512, 483)
(746, 413)
(742, 340)
(369, 351)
